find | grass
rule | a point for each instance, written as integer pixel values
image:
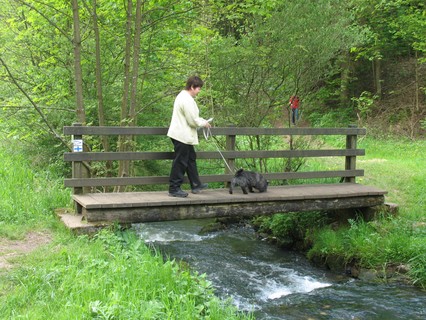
(27, 197)
(113, 275)
(397, 166)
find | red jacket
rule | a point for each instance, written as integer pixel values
(294, 102)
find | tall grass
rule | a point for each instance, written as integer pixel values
(27, 196)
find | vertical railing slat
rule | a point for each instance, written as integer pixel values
(350, 161)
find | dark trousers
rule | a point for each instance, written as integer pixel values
(184, 162)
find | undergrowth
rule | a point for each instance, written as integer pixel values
(395, 165)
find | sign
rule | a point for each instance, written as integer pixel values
(77, 145)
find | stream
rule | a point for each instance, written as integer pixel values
(277, 284)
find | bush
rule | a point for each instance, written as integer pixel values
(293, 228)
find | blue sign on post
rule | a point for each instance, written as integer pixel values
(77, 145)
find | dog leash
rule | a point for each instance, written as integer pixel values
(208, 134)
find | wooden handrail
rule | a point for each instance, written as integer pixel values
(160, 155)
(78, 181)
(127, 181)
(216, 131)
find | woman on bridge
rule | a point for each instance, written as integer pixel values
(183, 132)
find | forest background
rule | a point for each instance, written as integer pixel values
(122, 63)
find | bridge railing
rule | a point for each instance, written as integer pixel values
(80, 158)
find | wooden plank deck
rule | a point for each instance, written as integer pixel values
(136, 207)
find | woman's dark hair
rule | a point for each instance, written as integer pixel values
(194, 82)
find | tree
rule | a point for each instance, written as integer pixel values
(78, 74)
(398, 33)
(290, 51)
(36, 46)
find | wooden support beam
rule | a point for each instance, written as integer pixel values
(245, 210)
(158, 206)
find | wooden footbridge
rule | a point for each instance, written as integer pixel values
(289, 191)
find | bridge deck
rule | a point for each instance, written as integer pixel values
(133, 207)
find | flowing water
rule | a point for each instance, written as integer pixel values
(277, 284)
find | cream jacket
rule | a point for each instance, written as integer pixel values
(185, 119)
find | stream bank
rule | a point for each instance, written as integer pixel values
(274, 283)
(301, 242)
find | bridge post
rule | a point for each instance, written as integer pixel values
(350, 161)
(79, 168)
(230, 146)
(77, 165)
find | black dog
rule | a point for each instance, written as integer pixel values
(248, 180)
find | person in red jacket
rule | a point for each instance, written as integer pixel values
(294, 105)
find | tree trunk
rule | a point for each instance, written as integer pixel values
(344, 80)
(417, 82)
(81, 114)
(129, 114)
(98, 74)
(123, 166)
(136, 58)
(98, 80)
(377, 74)
(127, 54)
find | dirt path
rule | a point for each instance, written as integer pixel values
(10, 249)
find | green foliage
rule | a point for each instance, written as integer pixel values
(371, 244)
(423, 124)
(395, 25)
(235, 18)
(327, 242)
(331, 119)
(418, 262)
(292, 227)
(364, 104)
(38, 51)
(277, 59)
(252, 64)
